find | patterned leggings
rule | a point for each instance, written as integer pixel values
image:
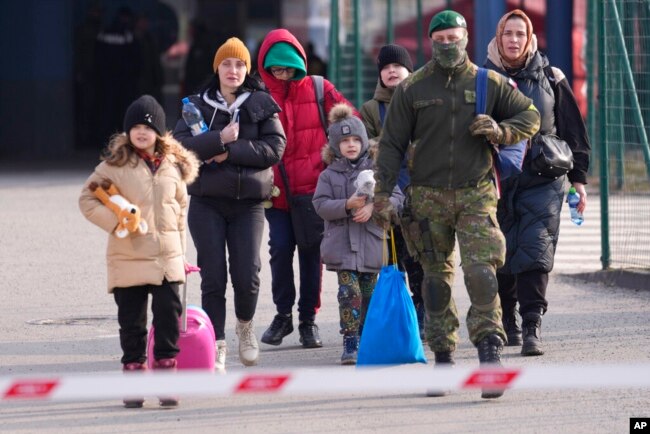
(355, 290)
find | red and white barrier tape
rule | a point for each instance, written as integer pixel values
(398, 379)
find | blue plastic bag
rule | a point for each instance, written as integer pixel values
(390, 333)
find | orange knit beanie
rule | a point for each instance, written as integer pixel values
(233, 47)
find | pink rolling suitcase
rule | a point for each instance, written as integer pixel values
(196, 340)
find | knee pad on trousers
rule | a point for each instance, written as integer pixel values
(482, 286)
(438, 293)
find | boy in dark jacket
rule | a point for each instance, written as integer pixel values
(394, 65)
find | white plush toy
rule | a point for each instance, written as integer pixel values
(365, 184)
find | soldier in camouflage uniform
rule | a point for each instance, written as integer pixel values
(452, 193)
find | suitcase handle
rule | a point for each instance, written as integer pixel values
(184, 314)
(189, 269)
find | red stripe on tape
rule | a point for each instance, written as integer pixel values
(499, 379)
(30, 389)
(261, 383)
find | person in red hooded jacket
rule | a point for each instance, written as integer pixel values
(282, 63)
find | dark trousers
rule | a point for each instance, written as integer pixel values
(132, 318)
(527, 288)
(405, 262)
(238, 225)
(282, 246)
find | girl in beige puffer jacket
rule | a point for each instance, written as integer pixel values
(151, 170)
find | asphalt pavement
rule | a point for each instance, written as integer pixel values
(58, 318)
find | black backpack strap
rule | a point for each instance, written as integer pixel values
(285, 179)
(317, 81)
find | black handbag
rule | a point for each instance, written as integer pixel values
(307, 225)
(551, 156)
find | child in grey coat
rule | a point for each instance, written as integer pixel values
(352, 242)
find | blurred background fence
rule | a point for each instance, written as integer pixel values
(608, 66)
(619, 124)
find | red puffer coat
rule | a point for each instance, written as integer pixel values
(300, 120)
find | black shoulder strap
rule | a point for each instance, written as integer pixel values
(548, 72)
(317, 81)
(285, 179)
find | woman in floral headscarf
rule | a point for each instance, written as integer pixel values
(530, 205)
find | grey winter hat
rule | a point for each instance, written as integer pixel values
(343, 123)
(145, 110)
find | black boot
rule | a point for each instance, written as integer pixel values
(489, 352)
(532, 329)
(280, 327)
(512, 328)
(443, 359)
(309, 337)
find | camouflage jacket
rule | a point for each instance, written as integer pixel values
(431, 111)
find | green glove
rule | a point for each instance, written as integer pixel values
(488, 127)
(383, 211)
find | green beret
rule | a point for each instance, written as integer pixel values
(446, 20)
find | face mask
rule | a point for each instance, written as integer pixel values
(450, 54)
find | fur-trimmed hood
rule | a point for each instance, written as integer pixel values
(184, 159)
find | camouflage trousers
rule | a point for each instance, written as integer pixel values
(433, 219)
(355, 291)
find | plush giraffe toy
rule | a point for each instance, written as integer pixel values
(128, 214)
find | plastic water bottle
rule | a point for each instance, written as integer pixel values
(193, 118)
(573, 198)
